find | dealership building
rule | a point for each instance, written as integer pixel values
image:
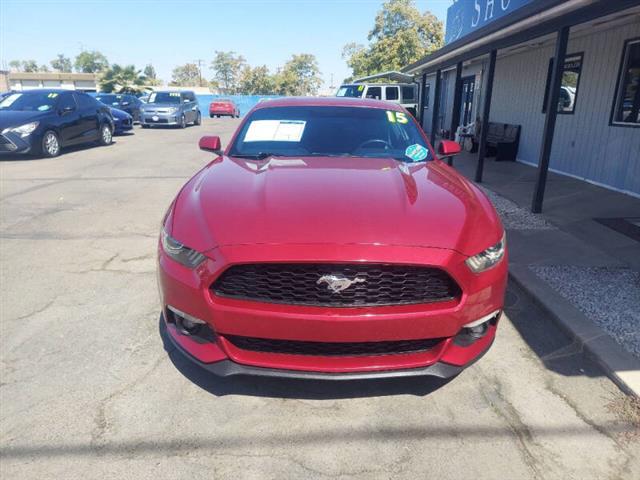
(498, 68)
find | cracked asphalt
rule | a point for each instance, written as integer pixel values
(87, 389)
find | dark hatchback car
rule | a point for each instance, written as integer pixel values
(41, 122)
(122, 101)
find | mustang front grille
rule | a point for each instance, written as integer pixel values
(336, 285)
(332, 349)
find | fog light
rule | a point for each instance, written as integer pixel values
(475, 330)
(185, 323)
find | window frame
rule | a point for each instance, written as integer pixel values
(619, 80)
(427, 95)
(547, 85)
(371, 88)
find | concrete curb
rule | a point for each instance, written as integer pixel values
(620, 366)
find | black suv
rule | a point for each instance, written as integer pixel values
(41, 122)
(122, 101)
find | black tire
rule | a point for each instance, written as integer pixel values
(211, 115)
(198, 119)
(50, 145)
(106, 135)
(144, 125)
(183, 122)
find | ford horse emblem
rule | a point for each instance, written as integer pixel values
(338, 283)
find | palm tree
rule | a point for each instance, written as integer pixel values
(122, 79)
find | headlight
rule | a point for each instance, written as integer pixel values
(184, 255)
(489, 257)
(24, 130)
(172, 110)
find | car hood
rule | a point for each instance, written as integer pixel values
(329, 200)
(119, 114)
(15, 118)
(153, 106)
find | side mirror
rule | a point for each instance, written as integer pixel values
(66, 110)
(448, 148)
(210, 143)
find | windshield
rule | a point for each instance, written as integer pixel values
(109, 99)
(331, 131)
(164, 97)
(354, 91)
(29, 102)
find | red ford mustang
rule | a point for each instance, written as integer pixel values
(329, 241)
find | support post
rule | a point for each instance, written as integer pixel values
(436, 108)
(550, 118)
(486, 110)
(457, 101)
(423, 100)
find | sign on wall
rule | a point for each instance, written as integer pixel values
(466, 16)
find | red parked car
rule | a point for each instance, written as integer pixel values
(329, 241)
(223, 107)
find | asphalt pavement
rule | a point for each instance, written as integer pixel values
(88, 388)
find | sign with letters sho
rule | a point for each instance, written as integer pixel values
(466, 16)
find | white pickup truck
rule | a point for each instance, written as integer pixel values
(406, 94)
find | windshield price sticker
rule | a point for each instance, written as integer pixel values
(397, 117)
(174, 94)
(360, 88)
(275, 131)
(52, 95)
(416, 152)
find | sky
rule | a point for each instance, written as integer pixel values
(171, 33)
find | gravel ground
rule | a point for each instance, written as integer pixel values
(515, 217)
(609, 296)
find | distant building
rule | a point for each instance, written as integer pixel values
(87, 82)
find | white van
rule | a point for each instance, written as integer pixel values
(406, 94)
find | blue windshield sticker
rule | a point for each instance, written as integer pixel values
(416, 152)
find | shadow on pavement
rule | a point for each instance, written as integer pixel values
(557, 351)
(65, 151)
(292, 388)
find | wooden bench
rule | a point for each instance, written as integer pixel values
(503, 139)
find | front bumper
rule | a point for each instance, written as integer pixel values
(229, 368)
(11, 142)
(160, 118)
(188, 290)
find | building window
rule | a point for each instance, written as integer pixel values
(626, 107)
(427, 90)
(568, 86)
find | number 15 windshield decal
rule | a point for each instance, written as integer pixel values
(397, 117)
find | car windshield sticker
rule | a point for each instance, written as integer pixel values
(416, 152)
(174, 94)
(152, 97)
(397, 117)
(52, 95)
(275, 131)
(360, 88)
(43, 108)
(10, 99)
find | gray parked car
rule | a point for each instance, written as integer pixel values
(170, 108)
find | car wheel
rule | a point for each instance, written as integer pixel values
(198, 119)
(183, 122)
(144, 125)
(211, 115)
(106, 135)
(50, 144)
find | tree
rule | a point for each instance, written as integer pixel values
(150, 74)
(29, 66)
(256, 81)
(91, 62)
(122, 79)
(227, 67)
(43, 68)
(300, 76)
(61, 63)
(187, 75)
(15, 65)
(400, 36)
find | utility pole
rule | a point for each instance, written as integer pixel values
(199, 62)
